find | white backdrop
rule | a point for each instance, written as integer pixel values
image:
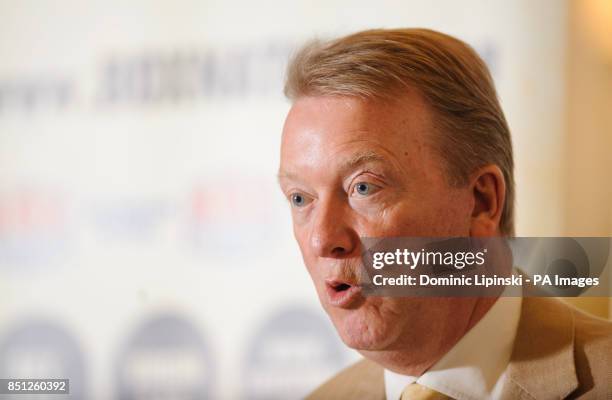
(145, 250)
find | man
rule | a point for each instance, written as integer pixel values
(399, 133)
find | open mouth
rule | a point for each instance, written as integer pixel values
(339, 286)
(341, 293)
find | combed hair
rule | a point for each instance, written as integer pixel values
(469, 125)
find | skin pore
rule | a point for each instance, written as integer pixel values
(354, 168)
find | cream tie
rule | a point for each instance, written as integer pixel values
(414, 391)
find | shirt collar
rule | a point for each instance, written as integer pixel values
(474, 368)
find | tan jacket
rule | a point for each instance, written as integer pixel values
(559, 352)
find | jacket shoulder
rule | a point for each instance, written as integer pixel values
(559, 352)
(593, 354)
(591, 328)
(362, 380)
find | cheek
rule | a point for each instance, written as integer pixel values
(302, 239)
(447, 214)
(299, 233)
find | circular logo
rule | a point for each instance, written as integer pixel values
(165, 358)
(290, 354)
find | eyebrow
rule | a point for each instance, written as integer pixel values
(362, 158)
(353, 162)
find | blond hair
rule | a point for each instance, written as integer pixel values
(454, 81)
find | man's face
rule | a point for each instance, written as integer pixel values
(352, 168)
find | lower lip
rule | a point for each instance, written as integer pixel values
(345, 298)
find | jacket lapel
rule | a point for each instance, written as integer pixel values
(542, 362)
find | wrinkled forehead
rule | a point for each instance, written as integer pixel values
(325, 131)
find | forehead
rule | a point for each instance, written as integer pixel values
(321, 131)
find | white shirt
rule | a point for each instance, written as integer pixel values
(475, 367)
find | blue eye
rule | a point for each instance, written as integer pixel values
(298, 199)
(363, 188)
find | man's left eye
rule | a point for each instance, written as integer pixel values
(364, 189)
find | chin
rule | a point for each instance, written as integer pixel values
(362, 329)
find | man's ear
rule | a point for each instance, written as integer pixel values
(489, 191)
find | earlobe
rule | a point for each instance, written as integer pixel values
(489, 191)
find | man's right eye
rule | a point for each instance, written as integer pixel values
(299, 199)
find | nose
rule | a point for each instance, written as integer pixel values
(332, 234)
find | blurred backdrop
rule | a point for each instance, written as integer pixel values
(145, 250)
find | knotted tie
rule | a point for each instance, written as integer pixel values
(414, 391)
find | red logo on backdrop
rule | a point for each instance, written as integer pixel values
(33, 227)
